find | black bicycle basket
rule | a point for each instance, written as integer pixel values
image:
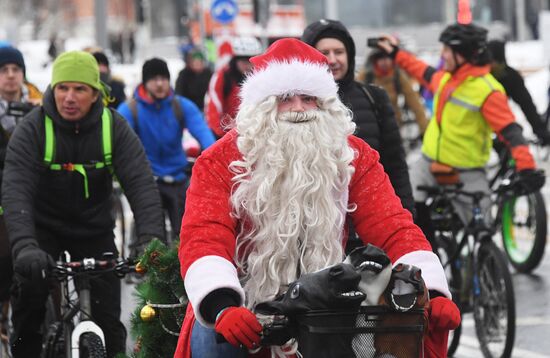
(371, 332)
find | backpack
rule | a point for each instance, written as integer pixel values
(176, 108)
(107, 148)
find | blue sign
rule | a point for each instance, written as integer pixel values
(224, 11)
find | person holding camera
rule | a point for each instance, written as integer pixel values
(372, 110)
(469, 105)
(17, 97)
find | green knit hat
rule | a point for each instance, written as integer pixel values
(76, 66)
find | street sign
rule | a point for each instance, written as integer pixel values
(224, 11)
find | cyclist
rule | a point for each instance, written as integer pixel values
(469, 105)
(513, 84)
(382, 71)
(193, 79)
(17, 96)
(268, 202)
(158, 116)
(223, 100)
(116, 85)
(57, 196)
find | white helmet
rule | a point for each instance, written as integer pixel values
(246, 46)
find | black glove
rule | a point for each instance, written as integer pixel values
(33, 263)
(530, 180)
(138, 247)
(394, 50)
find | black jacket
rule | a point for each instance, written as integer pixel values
(514, 85)
(379, 131)
(54, 200)
(193, 85)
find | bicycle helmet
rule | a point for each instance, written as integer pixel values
(467, 40)
(246, 46)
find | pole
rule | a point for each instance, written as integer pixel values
(101, 23)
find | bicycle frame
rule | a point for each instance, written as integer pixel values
(475, 233)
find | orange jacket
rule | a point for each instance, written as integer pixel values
(495, 110)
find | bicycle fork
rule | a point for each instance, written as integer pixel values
(85, 324)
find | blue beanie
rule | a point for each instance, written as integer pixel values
(10, 54)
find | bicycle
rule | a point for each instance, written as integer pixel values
(73, 333)
(520, 218)
(477, 271)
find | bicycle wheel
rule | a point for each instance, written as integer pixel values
(445, 247)
(524, 230)
(494, 302)
(91, 346)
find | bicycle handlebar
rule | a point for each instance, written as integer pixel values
(119, 266)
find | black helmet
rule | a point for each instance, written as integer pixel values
(468, 40)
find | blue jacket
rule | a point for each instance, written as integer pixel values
(161, 133)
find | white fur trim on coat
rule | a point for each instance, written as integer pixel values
(432, 271)
(295, 77)
(207, 274)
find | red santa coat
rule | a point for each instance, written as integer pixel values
(208, 231)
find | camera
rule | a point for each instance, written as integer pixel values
(373, 41)
(19, 109)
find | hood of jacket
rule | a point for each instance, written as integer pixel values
(89, 120)
(324, 28)
(141, 95)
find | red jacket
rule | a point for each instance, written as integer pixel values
(208, 230)
(221, 109)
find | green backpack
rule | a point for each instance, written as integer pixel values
(49, 150)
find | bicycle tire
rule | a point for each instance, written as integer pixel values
(91, 346)
(494, 302)
(445, 248)
(524, 241)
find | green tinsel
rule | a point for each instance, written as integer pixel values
(162, 285)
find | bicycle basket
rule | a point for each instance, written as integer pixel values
(371, 332)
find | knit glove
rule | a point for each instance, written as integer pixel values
(444, 316)
(239, 326)
(33, 264)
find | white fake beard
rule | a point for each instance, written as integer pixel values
(291, 190)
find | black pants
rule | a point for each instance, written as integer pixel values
(173, 201)
(6, 267)
(29, 299)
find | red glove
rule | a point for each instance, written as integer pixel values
(444, 316)
(239, 326)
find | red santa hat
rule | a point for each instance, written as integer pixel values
(289, 66)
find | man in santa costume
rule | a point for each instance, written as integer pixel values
(269, 201)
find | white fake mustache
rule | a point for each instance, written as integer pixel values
(299, 117)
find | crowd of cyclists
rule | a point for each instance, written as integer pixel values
(61, 150)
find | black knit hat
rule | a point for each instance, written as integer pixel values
(101, 58)
(11, 55)
(154, 67)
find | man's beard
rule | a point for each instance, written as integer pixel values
(290, 193)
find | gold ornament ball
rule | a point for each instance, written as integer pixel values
(140, 268)
(147, 313)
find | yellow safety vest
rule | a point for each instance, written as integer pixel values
(463, 137)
